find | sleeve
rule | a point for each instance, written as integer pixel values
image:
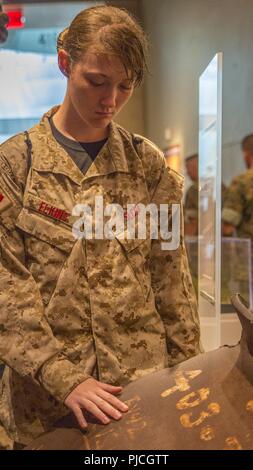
(171, 280)
(27, 344)
(233, 205)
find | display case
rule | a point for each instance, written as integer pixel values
(209, 247)
(236, 269)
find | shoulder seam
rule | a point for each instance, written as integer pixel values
(146, 140)
(12, 137)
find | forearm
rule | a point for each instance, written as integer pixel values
(228, 230)
(59, 376)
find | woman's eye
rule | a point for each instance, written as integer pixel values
(96, 83)
(126, 88)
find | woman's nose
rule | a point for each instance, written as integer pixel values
(109, 99)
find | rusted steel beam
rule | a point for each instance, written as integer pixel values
(204, 403)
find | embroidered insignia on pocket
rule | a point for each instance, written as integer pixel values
(5, 203)
(54, 212)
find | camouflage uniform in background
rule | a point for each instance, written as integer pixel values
(191, 203)
(238, 212)
(238, 205)
(70, 309)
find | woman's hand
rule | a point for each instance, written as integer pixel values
(98, 399)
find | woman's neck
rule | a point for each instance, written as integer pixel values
(70, 124)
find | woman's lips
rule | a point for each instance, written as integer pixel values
(104, 114)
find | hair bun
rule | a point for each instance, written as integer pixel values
(62, 38)
(4, 19)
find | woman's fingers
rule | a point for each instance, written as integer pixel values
(106, 407)
(79, 416)
(98, 399)
(94, 410)
(115, 402)
(110, 388)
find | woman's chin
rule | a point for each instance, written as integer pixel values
(101, 122)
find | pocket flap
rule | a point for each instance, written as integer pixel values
(49, 231)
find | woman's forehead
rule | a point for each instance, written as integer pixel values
(104, 64)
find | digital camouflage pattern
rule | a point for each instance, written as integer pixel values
(191, 203)
(70, 309)
(238, 205)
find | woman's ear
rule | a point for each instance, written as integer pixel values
(64, 62)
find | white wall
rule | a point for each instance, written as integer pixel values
(185, 35)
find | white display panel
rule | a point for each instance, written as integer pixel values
(210, 129)
(30, 79)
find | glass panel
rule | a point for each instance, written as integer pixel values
(210, 91)
(191, 244)
(236, 273)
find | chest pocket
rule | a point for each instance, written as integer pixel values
(48, 246)
(46, 229)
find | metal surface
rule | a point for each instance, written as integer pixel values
(204, 403)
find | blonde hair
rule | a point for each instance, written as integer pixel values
(111, 30)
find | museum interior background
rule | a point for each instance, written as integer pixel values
(185, 36)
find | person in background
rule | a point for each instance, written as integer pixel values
(191, 197)
(237, 212)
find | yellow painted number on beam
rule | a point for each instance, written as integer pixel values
(182, 382)
(193, 399)
(185, 419)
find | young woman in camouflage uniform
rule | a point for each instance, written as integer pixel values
(80, 318)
